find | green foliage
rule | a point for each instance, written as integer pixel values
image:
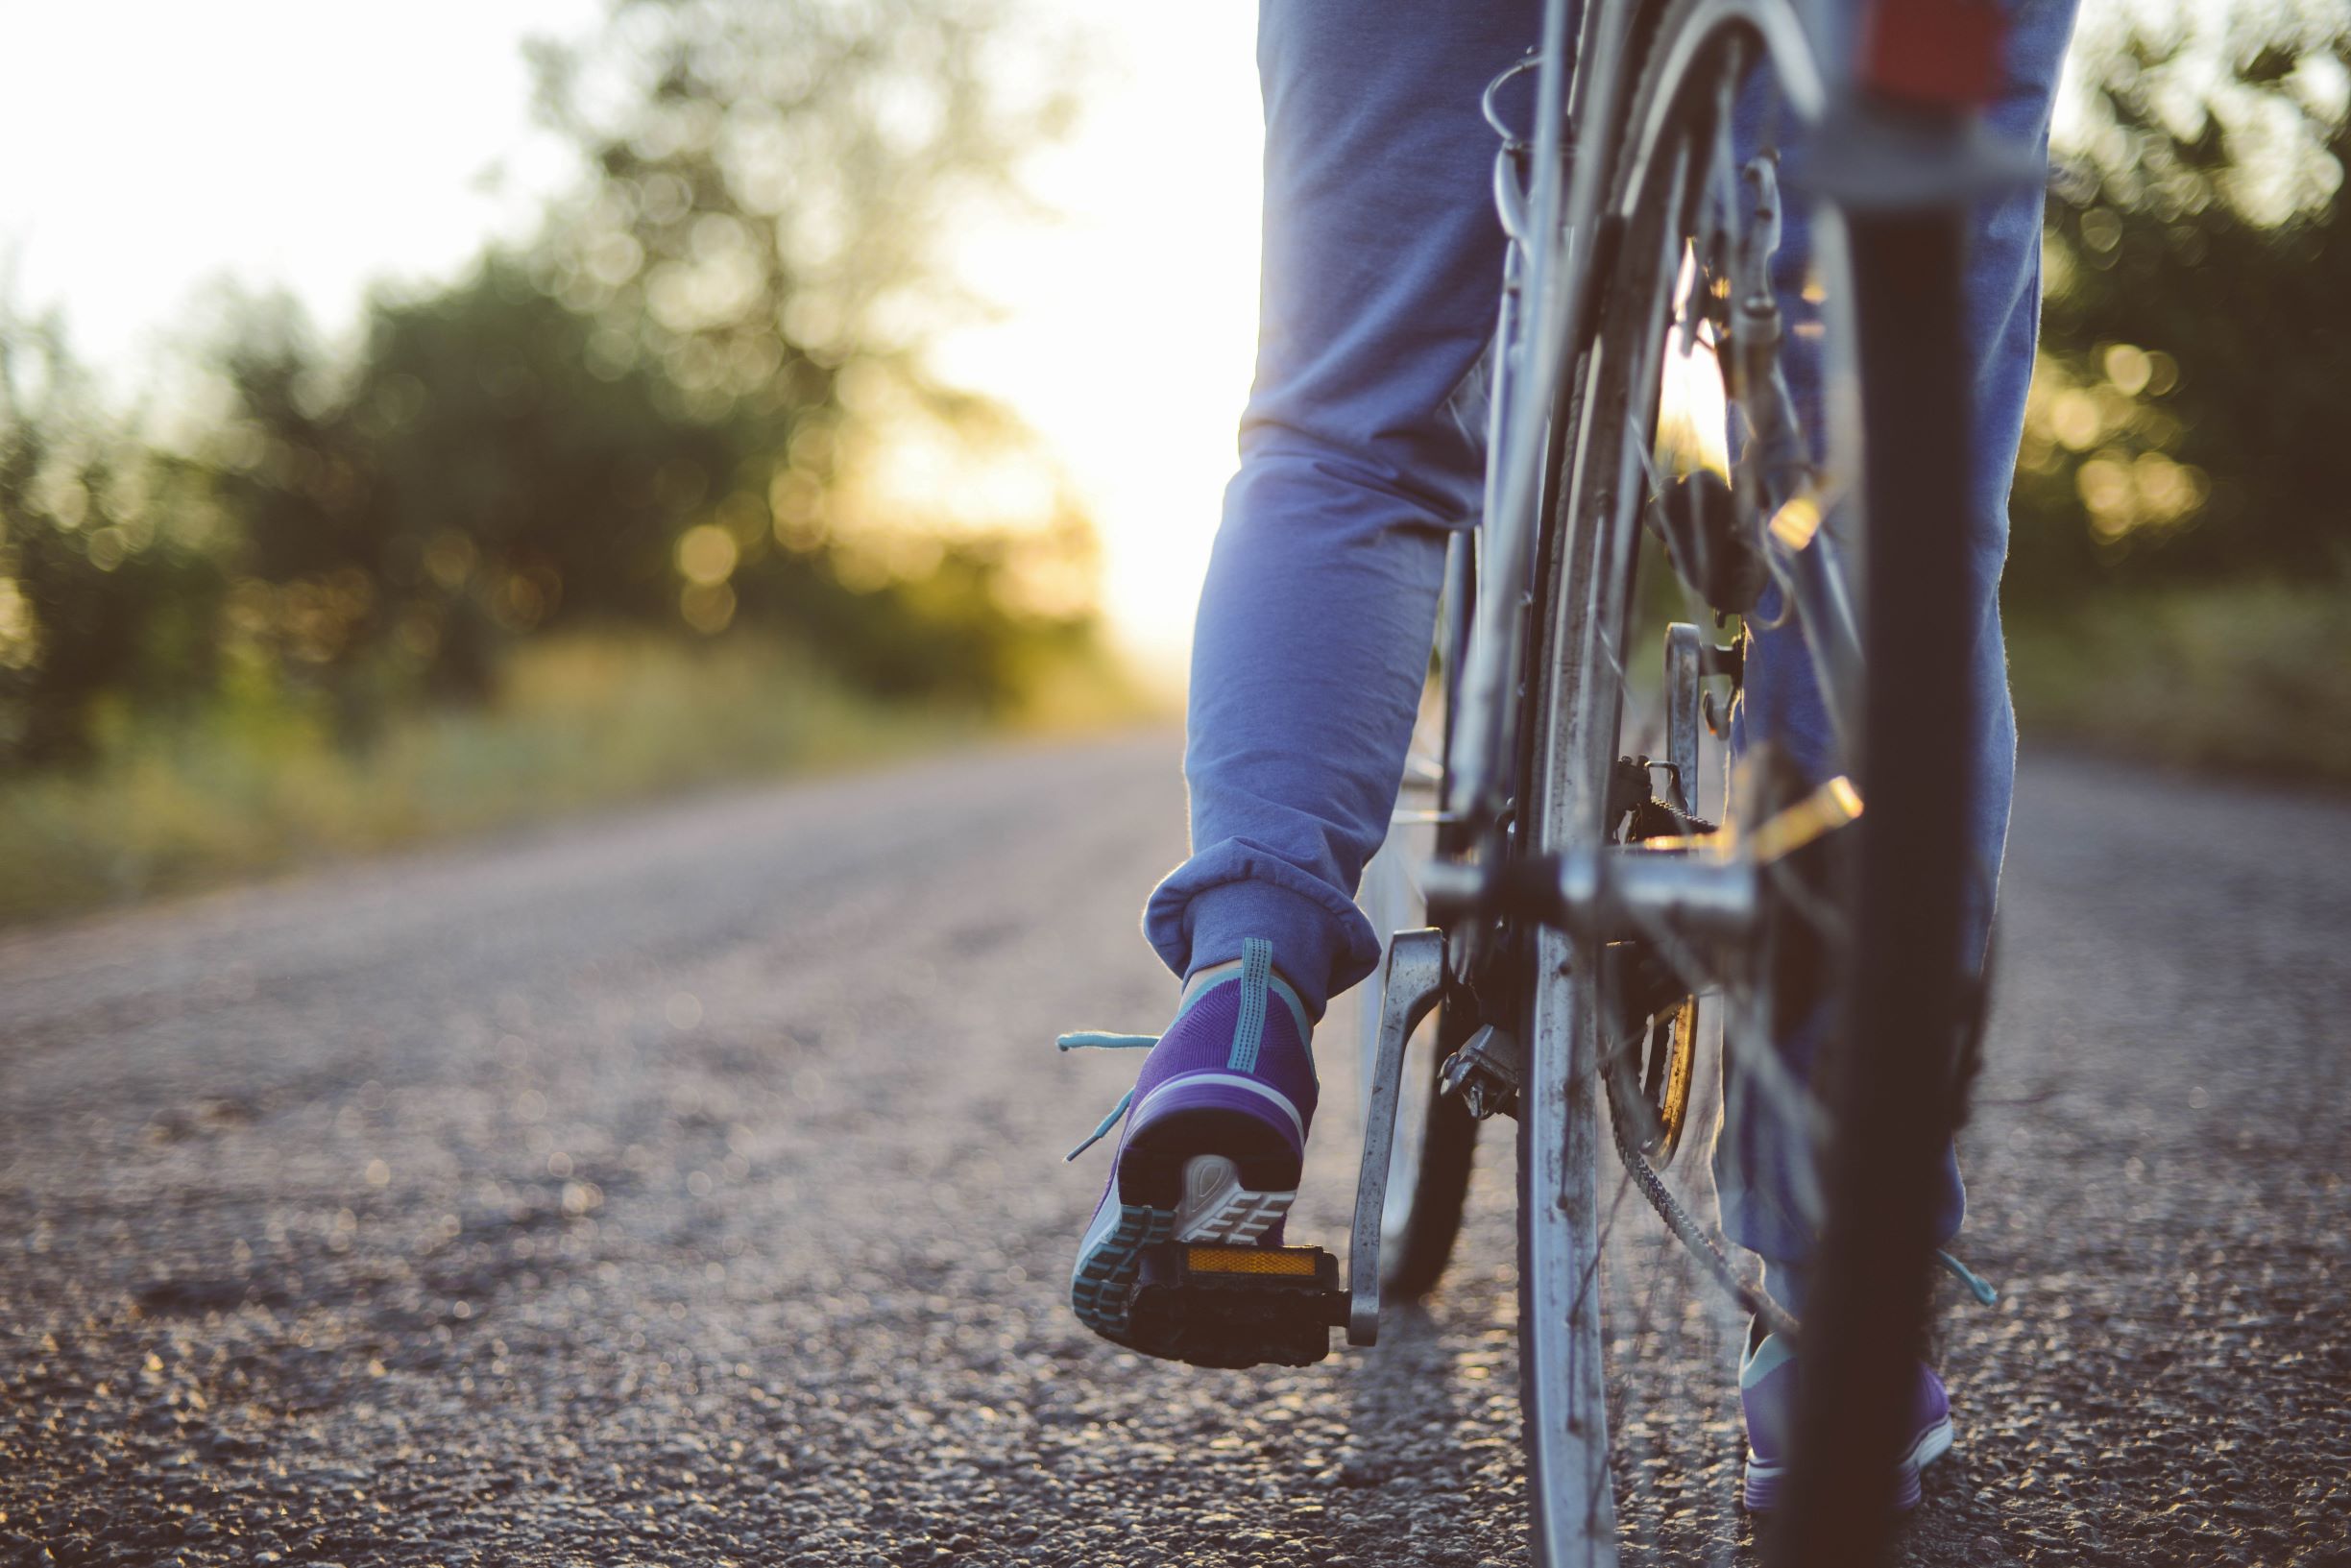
(101, 589)
(473, 481)
(2185, 420)
(483, 476)
(676, 411)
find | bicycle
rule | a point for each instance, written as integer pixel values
(1588, 913)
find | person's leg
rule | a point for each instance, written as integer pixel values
(1383, 262)
(1759, 1168)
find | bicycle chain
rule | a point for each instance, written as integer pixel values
(1701, 1246)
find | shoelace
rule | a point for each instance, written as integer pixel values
(1096, 1039)
(1979, 1287)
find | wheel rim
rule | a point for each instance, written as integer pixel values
(1566, 1209)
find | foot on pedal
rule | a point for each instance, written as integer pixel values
(1211, 1140)
(1216, 1304)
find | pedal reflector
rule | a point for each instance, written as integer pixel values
(1295, 1261)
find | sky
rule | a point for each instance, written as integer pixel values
(282, 142)
(323, 146)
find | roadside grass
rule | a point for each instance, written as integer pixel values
(258, 784)
(2250, 678)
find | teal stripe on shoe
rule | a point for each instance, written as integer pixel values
(1768, 1357)
(1249, 1032)
(1208, 980)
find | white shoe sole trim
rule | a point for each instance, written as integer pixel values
(1932, 1445)
(1229, 1080)
(1215, 1207)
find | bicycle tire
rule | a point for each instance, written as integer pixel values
(1894, 1078)
(1585, 592)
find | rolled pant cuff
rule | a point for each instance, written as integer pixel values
(1321, 943)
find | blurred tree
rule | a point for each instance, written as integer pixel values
(472, 479)
(670, 411)
(102, 588)
(481, 475)
(2184, 420)
(607, 429)
(777, 181)
(776, 187)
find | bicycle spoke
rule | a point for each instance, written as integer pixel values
(1608, 1227)
(1643, 1335)
(1654, 416)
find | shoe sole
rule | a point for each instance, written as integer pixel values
(1216, 1206)
(1763, 1482)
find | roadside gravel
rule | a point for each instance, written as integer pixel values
(684, 1187)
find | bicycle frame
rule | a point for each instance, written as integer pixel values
(1543, 268)
(1553, 271)
(1553, 193)
(1552, 199)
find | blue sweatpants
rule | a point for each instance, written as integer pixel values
(1382, 264)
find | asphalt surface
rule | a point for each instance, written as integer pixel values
(684, 1187)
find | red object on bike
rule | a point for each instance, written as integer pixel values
(1942, 54)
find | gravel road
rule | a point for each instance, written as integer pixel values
(684, 1187)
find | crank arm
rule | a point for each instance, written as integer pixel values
(1412, 986)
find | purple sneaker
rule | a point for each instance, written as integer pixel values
(1215, 1132)
(1768, 1392)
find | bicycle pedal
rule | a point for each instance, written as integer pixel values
(1484, 1074)
(1211, 1304)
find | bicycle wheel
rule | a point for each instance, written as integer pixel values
(1611, 1319)
(1435, 1139)
(1893, 1074)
